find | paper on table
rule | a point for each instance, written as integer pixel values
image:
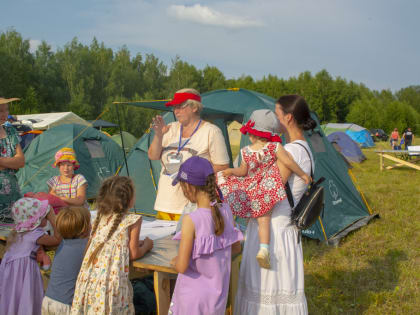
(152, 229)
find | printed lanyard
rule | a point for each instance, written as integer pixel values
(180, 147)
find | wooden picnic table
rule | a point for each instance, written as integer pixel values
(398, 156)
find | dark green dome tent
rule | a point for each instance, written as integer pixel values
(128, 138)
(345, 208)
(99, 157)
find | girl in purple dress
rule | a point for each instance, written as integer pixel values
(21, 285)
(208, 237)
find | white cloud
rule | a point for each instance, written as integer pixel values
(33, 45)
(207, 16)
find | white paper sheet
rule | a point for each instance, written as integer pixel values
(154, 230)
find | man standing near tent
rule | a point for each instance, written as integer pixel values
(176, 142)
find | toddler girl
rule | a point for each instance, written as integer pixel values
(21, 285)
(103, 286)
(73, 224)
(207, 237)
(69, 187)
(253, 188)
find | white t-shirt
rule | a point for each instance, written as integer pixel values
(207, 142)
(297, 184)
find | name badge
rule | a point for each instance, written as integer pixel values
(174, 161)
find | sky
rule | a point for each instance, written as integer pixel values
(367, 41)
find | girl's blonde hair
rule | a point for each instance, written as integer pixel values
(192, 103)
(73, 222)
(12, 238)
(115, 196)
(211, 189)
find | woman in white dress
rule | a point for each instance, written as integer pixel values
(279, 290)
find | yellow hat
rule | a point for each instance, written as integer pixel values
(66, 155)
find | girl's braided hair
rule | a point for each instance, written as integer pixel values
(211, 189)
(114, 197)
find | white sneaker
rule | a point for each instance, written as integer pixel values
(263, 258)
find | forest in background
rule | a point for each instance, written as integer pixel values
(86, 79)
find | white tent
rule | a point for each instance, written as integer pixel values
(46, 121)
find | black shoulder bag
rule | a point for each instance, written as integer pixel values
(310, 206)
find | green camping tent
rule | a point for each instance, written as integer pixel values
(99, 157)
(345, 208)
(128, 138)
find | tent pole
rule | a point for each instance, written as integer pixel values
(323, 230)
(122, 140)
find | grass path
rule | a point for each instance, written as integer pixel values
(376, 269)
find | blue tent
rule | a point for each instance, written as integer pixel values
(347, 146)
(357, 133)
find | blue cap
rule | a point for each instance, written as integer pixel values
(194, 171)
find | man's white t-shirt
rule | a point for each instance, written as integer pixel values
(207, 142)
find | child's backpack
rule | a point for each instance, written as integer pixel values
(310, 206)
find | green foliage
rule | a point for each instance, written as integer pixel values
(411, 96)
(385, 112)
(86, 79)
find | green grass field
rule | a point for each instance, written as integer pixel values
(376, 269)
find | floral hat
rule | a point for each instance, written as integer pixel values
(28, 213)
(66, 155)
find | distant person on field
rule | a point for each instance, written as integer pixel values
(408, 137)
(394, 139)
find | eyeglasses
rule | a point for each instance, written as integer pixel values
(179, 107)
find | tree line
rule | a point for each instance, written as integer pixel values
(86, 79)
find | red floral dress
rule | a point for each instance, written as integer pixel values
(255, 194)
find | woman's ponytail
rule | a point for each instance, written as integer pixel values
(309, 124)
(297, 106)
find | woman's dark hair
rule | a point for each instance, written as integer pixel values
(297, 106)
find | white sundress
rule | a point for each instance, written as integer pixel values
(279, 290)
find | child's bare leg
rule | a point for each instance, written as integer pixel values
(264, 228)
(263, 256)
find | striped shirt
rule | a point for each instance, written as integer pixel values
(67, 190)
